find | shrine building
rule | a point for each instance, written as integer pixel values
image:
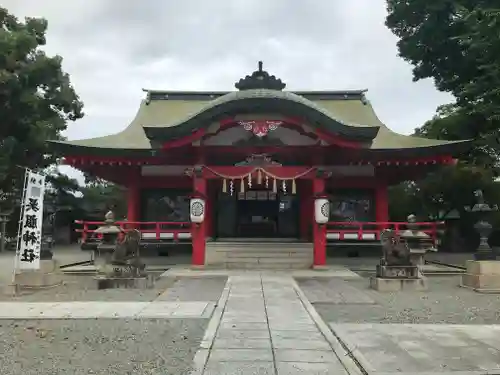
(257, 165)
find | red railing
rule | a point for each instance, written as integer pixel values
(361, 231)
(155, 227)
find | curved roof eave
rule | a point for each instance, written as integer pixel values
(259, 101)
(451, 148)
(74, 149)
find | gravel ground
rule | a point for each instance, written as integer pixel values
(206, 288)
(83, 288)
(77, 347)
(444, 303)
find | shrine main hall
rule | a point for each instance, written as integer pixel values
(283, 173)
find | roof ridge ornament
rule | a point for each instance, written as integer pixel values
(260, 79)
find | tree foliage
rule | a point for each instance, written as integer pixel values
(442, 39)
(101, 196)
(457, 43)
(481, 42)
(63, 192)
(452, 124)
(36, 100)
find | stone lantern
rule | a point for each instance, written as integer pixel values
(482, 211)
(418, 242)
(110, 236)
(117, 261)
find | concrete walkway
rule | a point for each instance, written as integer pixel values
(262, 326)
(105, 310)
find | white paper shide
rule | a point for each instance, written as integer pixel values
(30, 228)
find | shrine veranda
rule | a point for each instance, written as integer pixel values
(248, 165)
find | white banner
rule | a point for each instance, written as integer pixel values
(30, 228)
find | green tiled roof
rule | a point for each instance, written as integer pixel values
(174, 117)
(268, 101)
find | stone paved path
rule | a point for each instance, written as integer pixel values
(92, 310)
(205, 288)
(334, 291)
(265, 329)
(423, 348)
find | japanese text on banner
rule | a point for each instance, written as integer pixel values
(31, 225)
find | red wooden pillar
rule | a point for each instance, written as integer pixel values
(319, 231)
(209, 206)
(381, 203)
(198, 231)
(133, 203)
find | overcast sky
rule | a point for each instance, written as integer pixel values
(114, 48)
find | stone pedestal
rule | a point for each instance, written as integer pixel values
(396, 285)
(104, 282)
(397, 271)
(398, 278)
(102, 257)
(417, 256)
(47, 276)
(482, 276)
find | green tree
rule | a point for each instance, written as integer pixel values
(451, 123)
(448, 189)
(457, 43)
(101, 196)
(451, 187)
(37, 99)
(482, 43)
(403, 201)
(63, 192)
(432, 37)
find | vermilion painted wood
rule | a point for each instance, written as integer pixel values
(89, 227)
(360, 228)
(133, 202)
(182, 154)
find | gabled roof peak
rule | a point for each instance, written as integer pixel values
(260, 79)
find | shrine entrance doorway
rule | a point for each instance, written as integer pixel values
(257, 214)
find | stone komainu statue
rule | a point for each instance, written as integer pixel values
(395, 251)
(126, 254)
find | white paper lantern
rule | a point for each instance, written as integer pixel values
(321, 210)
(197, 210)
